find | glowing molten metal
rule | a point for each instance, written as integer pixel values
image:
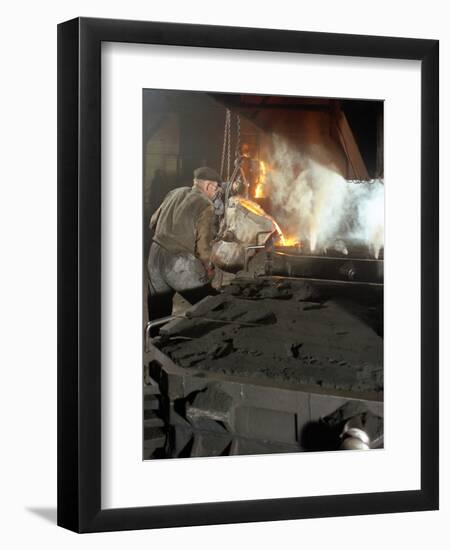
(288, 241)
(256, 209)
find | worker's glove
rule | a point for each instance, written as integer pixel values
(219, 207)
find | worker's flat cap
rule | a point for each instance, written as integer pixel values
(206, 173)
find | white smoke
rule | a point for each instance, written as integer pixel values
(314, 202)
(367, 200)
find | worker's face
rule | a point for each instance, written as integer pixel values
(212, 189)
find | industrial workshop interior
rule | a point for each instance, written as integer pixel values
(263, 250)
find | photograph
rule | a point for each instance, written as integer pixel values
(207, 208)
(263, 257)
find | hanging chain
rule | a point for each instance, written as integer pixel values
(226, 143)
(238, 136)
(229, 146)
(226, 148)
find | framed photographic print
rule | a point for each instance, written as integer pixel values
(248, 275)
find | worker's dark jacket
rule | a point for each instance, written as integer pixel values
(185, 222)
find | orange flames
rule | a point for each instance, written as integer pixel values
(259, 189)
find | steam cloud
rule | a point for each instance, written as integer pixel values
(313, 202)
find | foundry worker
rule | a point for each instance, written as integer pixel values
(184, 227)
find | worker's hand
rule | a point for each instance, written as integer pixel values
(210, 270)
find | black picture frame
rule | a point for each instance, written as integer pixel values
(79, 274)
